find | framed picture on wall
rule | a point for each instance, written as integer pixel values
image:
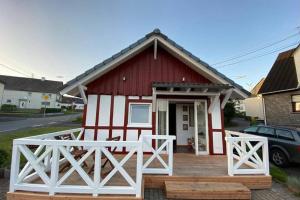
(185, 127)
(185, 118)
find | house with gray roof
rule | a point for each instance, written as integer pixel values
(281, 90)
(30, 93)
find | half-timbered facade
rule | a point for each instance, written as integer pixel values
(156, 87)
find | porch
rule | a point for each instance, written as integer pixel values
(132, 171)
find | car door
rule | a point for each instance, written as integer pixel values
(267, 132)
(286, 140)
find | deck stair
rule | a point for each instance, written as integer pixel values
(206, 190)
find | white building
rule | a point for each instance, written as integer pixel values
(1, 91)
(254, 104)
(74, 102)
(29, 93)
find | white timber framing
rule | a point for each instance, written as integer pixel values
(155, 49)
(81, 89)
(226, 98)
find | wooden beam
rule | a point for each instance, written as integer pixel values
(226, 98)
(213, 103)
(82, 93)
(189, 93)
(153, 99)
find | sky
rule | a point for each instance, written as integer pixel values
(60, 39)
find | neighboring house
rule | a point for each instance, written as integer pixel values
(73, 102)
(254, 104)
(1, 91)
(155, 86)
(30, 93)
(281, 91)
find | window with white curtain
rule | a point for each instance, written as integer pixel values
(139, 114)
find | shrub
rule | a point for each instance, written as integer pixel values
(294, 184)
(229, 112)
(4, 158)
(8, 108)
(278, 174)
(51, 110)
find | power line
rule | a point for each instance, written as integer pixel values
(258, 56)
(12, 69)
(256, 50)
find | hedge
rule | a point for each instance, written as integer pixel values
(51, 110)
(8, 108)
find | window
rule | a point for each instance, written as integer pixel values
(8, 101)
(284, 134)
(251, 129)
(265, 131)
(296, 103)
(139, 114)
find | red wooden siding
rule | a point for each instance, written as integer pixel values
(140, 71)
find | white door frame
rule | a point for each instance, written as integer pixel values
(196, 128)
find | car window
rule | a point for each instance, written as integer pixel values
(251, 129)
(265, 131)
(284, 134)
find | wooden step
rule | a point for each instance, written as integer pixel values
(206, 190)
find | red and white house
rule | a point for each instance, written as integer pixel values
(155, 86)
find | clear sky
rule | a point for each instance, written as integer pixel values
(59, 39)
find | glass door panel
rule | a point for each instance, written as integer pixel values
(162, 119)
(201, 127)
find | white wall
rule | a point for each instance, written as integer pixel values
(254, 107)
(297, 62)
(34, 99)
(1, 92)
(217, 124)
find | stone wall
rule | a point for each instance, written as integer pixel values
(279, 111)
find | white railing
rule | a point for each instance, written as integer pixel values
(247, 154)
(45, 161)
(165, 148)
(42, 172)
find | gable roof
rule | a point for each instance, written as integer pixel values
(257, 87)
(141, 44)
(283, 74)
(30, 84)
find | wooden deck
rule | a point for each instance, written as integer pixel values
(187, 168)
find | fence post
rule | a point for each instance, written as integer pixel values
(230, 156)
(170, 160)
(139, 166)
(266, 156)
(15, 167)
(54, 169)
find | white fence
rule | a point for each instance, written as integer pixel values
(165, 147)
(44, 163)
(247, 154)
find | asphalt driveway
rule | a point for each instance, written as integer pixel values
(8, 124)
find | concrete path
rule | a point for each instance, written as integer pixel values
(21, 123)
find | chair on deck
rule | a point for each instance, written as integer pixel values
(105, 159)
(76, 151)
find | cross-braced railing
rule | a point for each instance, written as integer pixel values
(42, 172)
(247, 154)
(165, 148)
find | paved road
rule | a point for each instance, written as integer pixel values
(8, 125)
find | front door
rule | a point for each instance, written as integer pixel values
(201, 128)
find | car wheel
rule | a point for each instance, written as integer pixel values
(279, 158)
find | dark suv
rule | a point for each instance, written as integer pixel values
(284, 143)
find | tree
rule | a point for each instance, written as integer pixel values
(229, 112)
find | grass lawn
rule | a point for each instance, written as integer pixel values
(7, 139)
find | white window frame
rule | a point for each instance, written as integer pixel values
(147, 125)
